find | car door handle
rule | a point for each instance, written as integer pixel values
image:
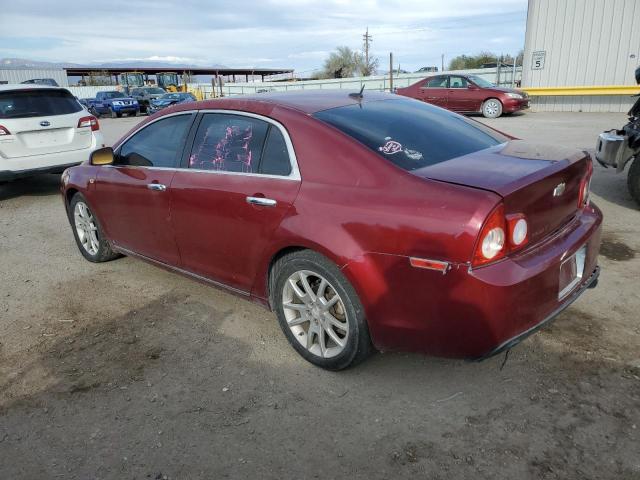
(263, 202)
(156, 187)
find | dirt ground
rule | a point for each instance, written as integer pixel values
(124, 371)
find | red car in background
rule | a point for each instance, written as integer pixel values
(360, 219)
(467, 94)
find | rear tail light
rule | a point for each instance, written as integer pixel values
(499, 236)
(518, 230)
(4, 131)
(583, 196)
(491, 242)
(89, 121)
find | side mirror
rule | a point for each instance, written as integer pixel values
(102, 156)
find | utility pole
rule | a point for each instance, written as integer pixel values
(367, 39)
(391, 72)
(442, 58)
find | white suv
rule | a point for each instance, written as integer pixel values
(43, 130)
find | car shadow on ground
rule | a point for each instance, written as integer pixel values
(39, 185)
(166, 391)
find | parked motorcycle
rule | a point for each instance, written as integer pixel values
(616, 148)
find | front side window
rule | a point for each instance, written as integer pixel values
(409, 133)
(157, 145)
(436, 82)
(37, 103)
(227, 142)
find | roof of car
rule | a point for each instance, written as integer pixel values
(27, 86)
(308, 101)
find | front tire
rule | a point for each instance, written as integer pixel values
(88, 233)
(112, 113)
(492, 108)
(633, 180)
(319, 311)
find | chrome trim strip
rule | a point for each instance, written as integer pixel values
(127, 252)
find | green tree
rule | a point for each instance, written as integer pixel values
(345, 63)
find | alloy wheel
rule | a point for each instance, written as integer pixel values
(491, 108)
(86, 228)
(315, 313)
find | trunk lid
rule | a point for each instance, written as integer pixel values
(540, 181)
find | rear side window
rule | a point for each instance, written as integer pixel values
(409, 133)
(230, 143)
(275, 156)
(37, 103)
(157, 145)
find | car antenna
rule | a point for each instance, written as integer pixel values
(359, 94)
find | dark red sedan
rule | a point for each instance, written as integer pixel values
(467, 94)
(374, 221)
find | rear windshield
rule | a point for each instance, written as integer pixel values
(409, 133)
(37, 103)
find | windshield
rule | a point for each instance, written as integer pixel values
(481, 82)
(154, 90)
(170, 96)
(37, 103)
(114, 95)
(409, 133)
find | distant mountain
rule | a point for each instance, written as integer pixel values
(19, 63)
(22, 63)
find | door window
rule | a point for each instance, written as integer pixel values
(157, 145)
(229, 143)
(458, 82)
(275, 156)
(436, 82)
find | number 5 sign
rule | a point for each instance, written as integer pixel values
(537, 60)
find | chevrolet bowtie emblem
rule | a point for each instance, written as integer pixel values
(559, 190)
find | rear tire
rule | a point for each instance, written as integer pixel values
(328, 332)
(633, 180)
(91, 241)
(492, 108)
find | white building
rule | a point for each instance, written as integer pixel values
(582, 43)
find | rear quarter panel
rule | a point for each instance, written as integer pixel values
(353, 202)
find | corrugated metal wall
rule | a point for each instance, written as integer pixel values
(19, 76)
(586, 42)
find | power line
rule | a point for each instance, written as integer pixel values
(367, 39)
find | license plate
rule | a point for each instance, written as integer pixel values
(571, 272)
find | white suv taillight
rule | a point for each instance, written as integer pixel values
(4, 131)
(89, 121)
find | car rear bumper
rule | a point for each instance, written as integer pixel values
(19, 167)
(591, 282)
(8, 175)
(511, 105)
(473, 313)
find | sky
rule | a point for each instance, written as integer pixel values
(296, 34)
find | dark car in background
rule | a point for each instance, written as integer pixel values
(467, 94)
(144, 96)
(169, 99)
(41, 81)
